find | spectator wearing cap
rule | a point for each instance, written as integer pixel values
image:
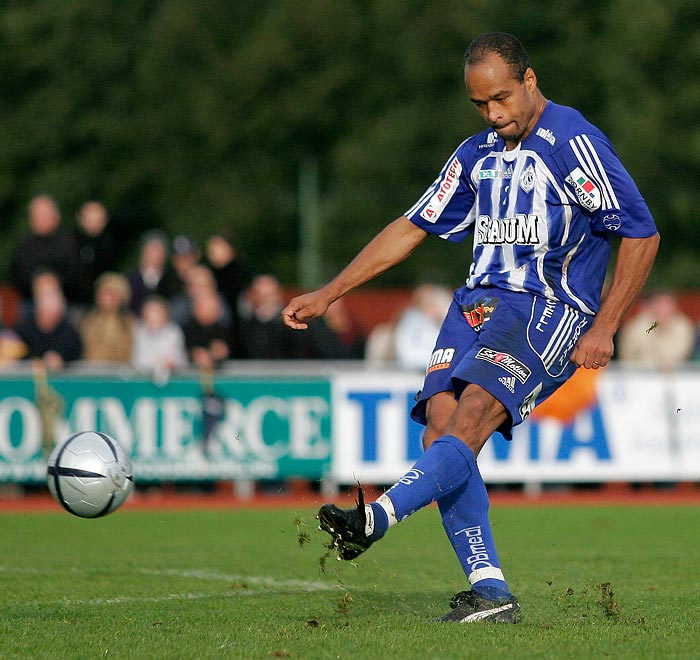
(153, 273)
(108, 330)
(184, 256)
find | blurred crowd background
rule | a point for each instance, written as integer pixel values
(173, 172)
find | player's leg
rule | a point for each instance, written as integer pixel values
(444, 467)
(465, 517)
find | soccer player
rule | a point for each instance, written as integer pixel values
(541, 190)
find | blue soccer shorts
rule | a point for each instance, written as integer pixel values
(515, 345)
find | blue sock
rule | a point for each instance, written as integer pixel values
(442, 468)
(465, 516)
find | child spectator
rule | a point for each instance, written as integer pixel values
(159, 344)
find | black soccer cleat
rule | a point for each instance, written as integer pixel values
(347, 527)
(469, 607)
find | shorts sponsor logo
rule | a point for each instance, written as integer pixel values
(612, 221)
(528, 404)
(448, 185)
(479, 313)
(508, 382)
(440, 359)
(586, 191)
(572, 342)
(547, 314)
(505, 361)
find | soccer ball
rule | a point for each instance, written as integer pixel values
(89, 474)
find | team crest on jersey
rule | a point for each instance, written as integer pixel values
(505, 361)
(480, 312)
(440, 359)
(448, 185)
(528, 179)
(586, 191)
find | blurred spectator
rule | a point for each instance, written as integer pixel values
(380, 348)
(96, 249)
(199, 279)
(263, 335)
(45, 247)
(660, 335)
(12, 348)
(159, 344)
(334, 336)
(206, 336)
(153, 274)
(185, 255)
(49, 334)
(419, 325)
(345, 326)
(108, 330)
(230, 268)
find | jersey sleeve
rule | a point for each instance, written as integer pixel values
(444, 207)
(598, 182)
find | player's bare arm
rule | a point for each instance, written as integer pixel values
(388, 248)
(634, 261)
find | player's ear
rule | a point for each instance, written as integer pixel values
(530, 80)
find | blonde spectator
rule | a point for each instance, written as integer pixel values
(108, 330)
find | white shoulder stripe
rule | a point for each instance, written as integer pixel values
(590, 162)
(601, 170)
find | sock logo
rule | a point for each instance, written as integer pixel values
(410, 477)
(478, 554)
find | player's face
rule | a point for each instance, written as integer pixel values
(509, 106)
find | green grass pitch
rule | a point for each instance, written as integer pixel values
(597, 582)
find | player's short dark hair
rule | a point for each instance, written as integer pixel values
(503, 44)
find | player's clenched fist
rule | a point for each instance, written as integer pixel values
(306, 306)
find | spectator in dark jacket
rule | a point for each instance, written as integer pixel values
(49, 334)
(153, 274)
(45, 247)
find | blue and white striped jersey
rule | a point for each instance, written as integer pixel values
(541, 214)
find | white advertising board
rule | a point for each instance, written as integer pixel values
(642, 426)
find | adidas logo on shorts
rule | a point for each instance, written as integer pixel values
(508, 381)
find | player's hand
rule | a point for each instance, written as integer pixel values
(594, 349)
(307, 306)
